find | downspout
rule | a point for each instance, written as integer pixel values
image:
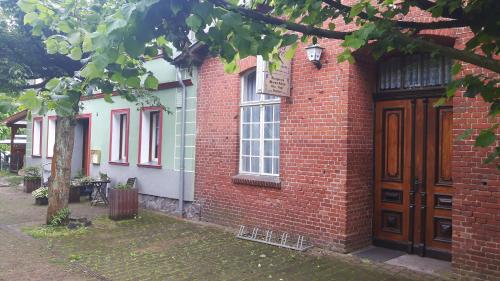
(182, 144)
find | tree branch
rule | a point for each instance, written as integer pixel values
(304, 29)
(423, 45)
(402, 24)
(426, 5)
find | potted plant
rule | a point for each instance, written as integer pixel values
(77, 185)
(123, 201)
(41, 195)
(32, 179)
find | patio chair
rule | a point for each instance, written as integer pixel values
(131, 182)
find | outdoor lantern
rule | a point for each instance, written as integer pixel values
(314, 54)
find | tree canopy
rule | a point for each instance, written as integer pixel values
(110, 38)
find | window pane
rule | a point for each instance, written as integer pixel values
(255, 148)
(268, 165)
(245, 131)
(276, 166)
(246, 114)
(277, 130)
(268, 130)
(412, 71)
(249, 88)
(245, 164)
(268, 148)
(268, 113)
(276, 148)
(245, 147)
(255, 114)
(256, 131)
(276, 112)
(255, 164)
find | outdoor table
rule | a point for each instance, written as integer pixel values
(99, 192)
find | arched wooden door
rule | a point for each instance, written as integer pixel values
(413, 184)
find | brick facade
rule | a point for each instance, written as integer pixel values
(326, 161)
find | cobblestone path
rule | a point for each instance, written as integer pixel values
(158, 247)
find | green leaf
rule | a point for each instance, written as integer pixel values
(64, 26)
(194, 21)
(90, 71)
(289, 39)
(345, 55)
(30, 100)
(51, 45)
(175, 6)
(63, 47)
(151, 51)
(485, 138)
(290, 52)
(30, 18)
(331, 26)
(231, 67)
(465, 135)
(356, 9)
(108, 98)
(52, 83)
(87, 43)
(151, 83)
(76, 53)
(456, 68)
(134, 82)
(133, 47)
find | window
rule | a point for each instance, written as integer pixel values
(259, 131)
(37, 137)
(150, 136)
(51, 136)
(118, 150)
(413, 72)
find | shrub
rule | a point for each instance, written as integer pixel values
(60, 217)
(32, 173)
(42, 192)
(81, 181)
(122, 185)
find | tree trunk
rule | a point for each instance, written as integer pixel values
(61, 165)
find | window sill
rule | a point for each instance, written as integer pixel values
(149, 165)
(256, 180)
(118, 163)
(36, 156)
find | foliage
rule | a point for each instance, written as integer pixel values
(112, 36)
(48, 231)
(32, 172)
(104, 176)
(60, 218)
(81, 181)
(42, 192)
(122, 186)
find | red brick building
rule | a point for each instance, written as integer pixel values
(358, 155)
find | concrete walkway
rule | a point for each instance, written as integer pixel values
(158, 247)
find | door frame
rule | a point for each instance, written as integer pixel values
(410, 247)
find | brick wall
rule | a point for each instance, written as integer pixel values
(326, 161)
(319, 129)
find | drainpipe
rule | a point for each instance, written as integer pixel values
(182, 144)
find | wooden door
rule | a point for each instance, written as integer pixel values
(413, 186)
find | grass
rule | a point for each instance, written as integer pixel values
(12, 178)
(46, 231)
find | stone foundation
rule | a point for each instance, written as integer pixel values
(169, 206)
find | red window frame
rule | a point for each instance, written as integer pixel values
(36, 119)
(160, 137)
(50, 118)
(125, 111)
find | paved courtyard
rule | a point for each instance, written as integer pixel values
(157, 247)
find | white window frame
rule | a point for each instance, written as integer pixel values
(115, 133)
(51, 135)
(262, 102)
(145, 151)
(36, 136)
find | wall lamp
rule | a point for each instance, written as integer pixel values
(314, 54)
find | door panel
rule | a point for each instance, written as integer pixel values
(392, 176)
(439, 180)
(413, 183)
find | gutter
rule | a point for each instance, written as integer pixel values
(182, 158)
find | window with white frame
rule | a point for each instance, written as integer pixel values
(51, 136)
(150, 135)
(119, 136)
(259, 130)
(37, 136)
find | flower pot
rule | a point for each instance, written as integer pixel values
(31, 184)
(74, 194)
(42, 201)
(123, 203)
